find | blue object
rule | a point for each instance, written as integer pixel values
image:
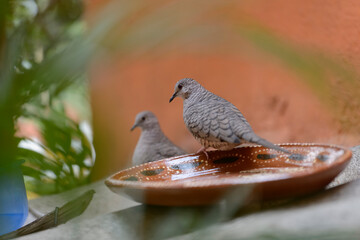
(13, 200)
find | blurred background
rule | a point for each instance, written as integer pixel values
(84, 69)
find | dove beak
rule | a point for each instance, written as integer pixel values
(173, 96)
(133, 127)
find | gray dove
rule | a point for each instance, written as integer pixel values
(214, 121)
(153, 144)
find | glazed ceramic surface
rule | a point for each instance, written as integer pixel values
(252, 172)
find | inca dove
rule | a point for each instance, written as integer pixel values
(153, 144)
(214, 121)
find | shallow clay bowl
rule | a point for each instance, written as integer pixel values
(252, 172)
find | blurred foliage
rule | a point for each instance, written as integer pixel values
(43, 53)
(64, 157)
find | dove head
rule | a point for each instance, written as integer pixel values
(145, 120)
(184, 88)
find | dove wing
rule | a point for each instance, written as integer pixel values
(168, 150)
(211, 121)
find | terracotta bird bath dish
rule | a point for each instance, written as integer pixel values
(254, 171)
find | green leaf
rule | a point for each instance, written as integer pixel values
(34, 173)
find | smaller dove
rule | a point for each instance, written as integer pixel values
(153, 144)
(214, 121)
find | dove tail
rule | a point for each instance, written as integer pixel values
(253, 138)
